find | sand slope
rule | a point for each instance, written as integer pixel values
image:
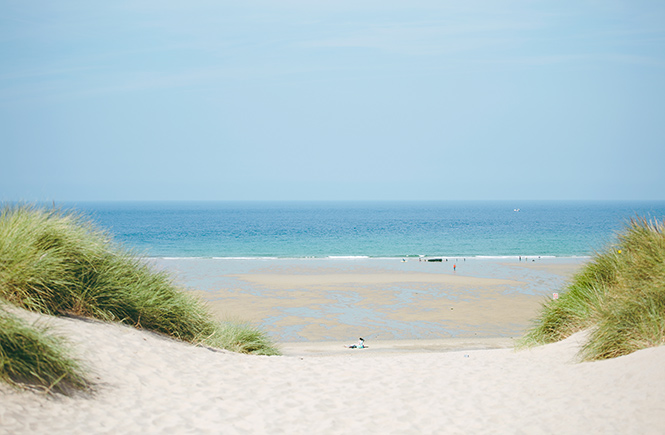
(149, 384)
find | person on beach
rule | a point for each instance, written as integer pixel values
(359, 345)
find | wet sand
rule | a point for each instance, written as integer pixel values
(316, 300)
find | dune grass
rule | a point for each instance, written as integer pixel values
(31, 355)
(619, 296)
(59, 263)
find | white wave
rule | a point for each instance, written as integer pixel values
(503, 257)
(365, 257)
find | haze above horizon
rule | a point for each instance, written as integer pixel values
(296, 100)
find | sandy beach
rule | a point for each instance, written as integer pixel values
(379, 299)
(469, 382)
(145, 383)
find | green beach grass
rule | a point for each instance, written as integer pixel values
(619, 296)
(59, 263)
(31, 355)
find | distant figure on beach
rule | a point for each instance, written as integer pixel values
(359, 345)
(454, 267)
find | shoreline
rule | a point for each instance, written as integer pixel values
(369, 257)
(379, 299)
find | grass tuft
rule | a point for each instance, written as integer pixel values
(619, 295)
(59, 263)
(31, 356)
(243, 338)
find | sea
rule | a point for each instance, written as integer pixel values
(253, 229)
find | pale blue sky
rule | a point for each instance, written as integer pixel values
(382, 100)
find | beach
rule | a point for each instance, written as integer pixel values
(146, 383)
(312, 300)
(467, 383)
(334, 218)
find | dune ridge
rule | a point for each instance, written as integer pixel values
(145, 382)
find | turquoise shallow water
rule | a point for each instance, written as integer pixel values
(366, 229)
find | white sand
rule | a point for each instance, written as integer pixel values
(148, 384)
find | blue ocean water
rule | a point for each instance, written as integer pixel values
(365, 229)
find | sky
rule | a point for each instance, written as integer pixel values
(332, 100)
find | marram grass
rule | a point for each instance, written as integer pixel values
(619, 296)
(30, 355)
(59, 263)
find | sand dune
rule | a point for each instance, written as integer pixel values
(145, 383)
